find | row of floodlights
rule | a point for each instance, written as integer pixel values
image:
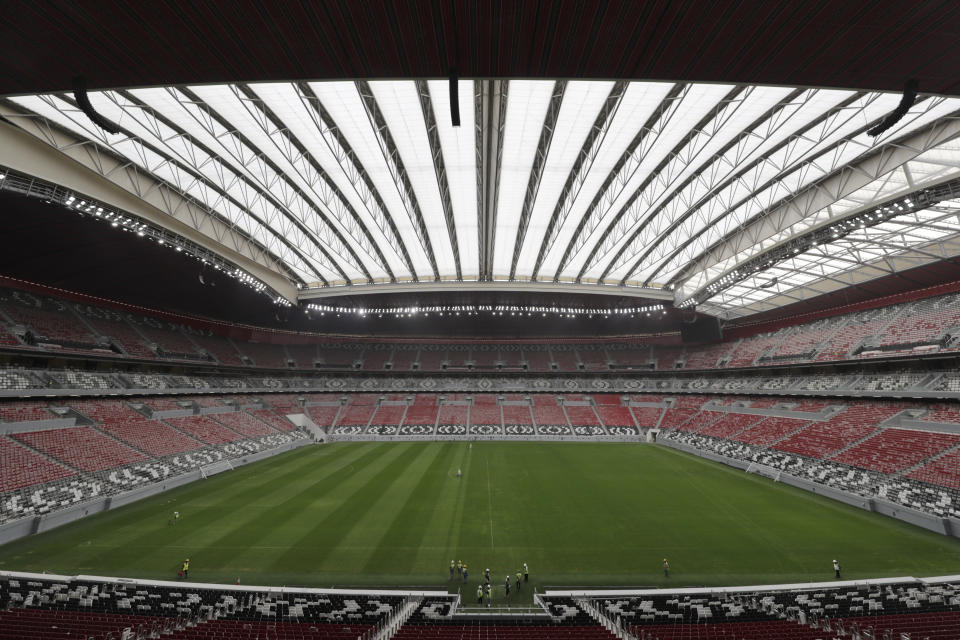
(128, 223)
(869, 218)
(496, 310)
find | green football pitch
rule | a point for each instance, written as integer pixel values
(578, 514)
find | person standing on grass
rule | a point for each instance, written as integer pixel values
(459, 567)
(836, 569)
(526, 573)
(486, 574)
(506, 585)
(666, 568)
(185, 569)
(486, 591)
(479, 594)
(464, 573)
(518, 581)
(452, 564)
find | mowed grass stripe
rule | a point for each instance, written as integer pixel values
(127, 537)
(202, 517)
(580, 514)
(268, 532)
(355, 497)
(420, 502)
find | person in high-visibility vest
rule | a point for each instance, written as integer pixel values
(479, 594)
(185, 569)
(666, 568)
(464, 572)
(452, 565)
(526, 573)
(459, 567)
(518, 581)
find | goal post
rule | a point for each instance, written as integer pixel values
(764, 470)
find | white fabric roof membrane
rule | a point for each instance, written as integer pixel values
(612, 184)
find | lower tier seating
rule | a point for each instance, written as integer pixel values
(34, 607)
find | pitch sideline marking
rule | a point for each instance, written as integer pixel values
(489, 503)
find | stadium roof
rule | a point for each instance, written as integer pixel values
(733, 196)
(637, 188)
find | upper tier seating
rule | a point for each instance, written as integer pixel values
(547, 411)
(924, 323)
(672, 418)
(612, 412)
(220, 348)
(820, 439)
(485, 410)
(485, 358)
(323, 416)
(152, 436)
(404, 359)
(276, 420)
(118, 329)
(50, 320)
(27, 411)
(846, 338)
(338, 357)
(706, 357)
(7, 338)
(81, 447)
(537, 359)
(423, 411)
(205, 429)
(647, 416)
(244, 423)
(359, 411)
(769, 430)
(453, 414)
(565, 359)
(169, 341)
(388, 414)
(580, 415)
(20, 467)
(932, 322)
(746, 352)
(892, 450)
(302, 355)
(375, 359)
(432, 360)
(730, 425)
(944, 471)
(271, 356)
(517, 414)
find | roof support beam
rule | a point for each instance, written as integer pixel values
(395, 164)
(267, 196)
(507, 287)
(336, 239)
(491, 121)
(439, 169)
(536, 171)
(818, 196)
(340, 147)
(126, 187)
(581, 168)
(333, 199)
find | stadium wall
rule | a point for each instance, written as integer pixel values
(38, 524)
(945, 526)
